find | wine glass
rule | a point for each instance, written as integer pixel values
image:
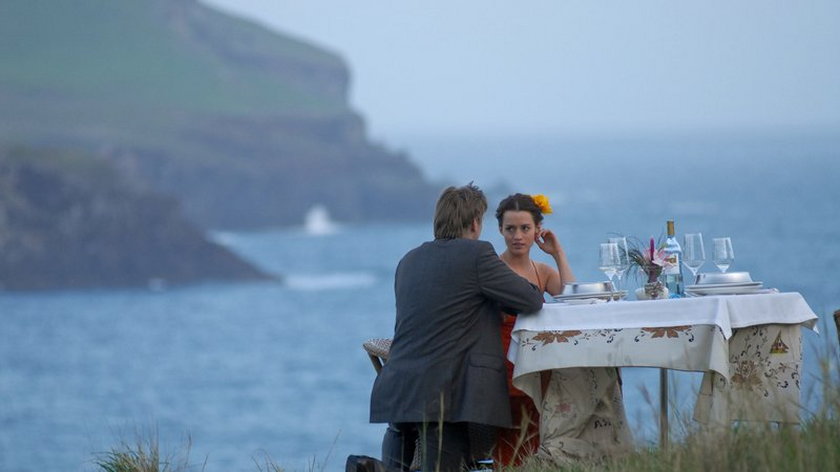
(694, 254)
(623, 262)
(723, 253)
(609, 259)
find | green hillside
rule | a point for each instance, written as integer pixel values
(149, 54)
(245, 126)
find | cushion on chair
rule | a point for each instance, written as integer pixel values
(379, 347)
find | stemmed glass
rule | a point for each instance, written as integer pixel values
(723, 253)
(623, 262)
(694, 254)
(609, 261)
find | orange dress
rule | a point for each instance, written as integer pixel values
(515, 444)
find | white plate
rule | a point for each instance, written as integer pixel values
(695, 290)
(583, 301)
(728, 285)
(756, 291)
(617, 295)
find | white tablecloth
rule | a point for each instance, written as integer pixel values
(725, 312)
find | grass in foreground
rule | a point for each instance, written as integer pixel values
(144, 456)
(813, 445)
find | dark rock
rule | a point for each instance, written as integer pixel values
(67, 220)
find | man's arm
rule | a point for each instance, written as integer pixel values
(498, 282)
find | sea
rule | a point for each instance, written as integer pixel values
(247, 376)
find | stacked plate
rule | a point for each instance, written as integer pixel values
(606, 296)
(732, 283)
(579, 291)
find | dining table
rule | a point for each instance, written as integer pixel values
(748, 348)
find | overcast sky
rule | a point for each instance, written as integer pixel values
(426, 67)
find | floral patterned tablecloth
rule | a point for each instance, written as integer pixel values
(763, 380)
(747, 346)
(695, 348)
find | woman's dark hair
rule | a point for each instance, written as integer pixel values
(519, 202)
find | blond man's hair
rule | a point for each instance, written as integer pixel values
(456, 209)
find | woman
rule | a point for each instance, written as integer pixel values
(520, 223)
(582, 408)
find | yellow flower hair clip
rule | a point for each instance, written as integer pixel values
(542, 203)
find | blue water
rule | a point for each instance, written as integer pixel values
(255, 370)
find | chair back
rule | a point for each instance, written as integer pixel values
(377, 349)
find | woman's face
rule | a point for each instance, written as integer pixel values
(519, 231)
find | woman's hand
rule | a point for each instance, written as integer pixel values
(547, 241)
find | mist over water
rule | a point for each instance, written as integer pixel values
(277, 369)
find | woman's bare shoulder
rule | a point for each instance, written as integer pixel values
(547, 274)
(546, 269)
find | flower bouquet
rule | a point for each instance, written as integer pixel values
(649, 261)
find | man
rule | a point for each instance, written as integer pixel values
(446, 368)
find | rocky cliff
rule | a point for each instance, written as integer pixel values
(67, 220)
(245, 127)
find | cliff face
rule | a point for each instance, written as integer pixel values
(68, 221)
(243, 126)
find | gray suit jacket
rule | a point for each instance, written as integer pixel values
(446, 361)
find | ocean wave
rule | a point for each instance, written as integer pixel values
(332, 281)
(223, 238)
(317, 222)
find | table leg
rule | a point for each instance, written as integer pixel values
(837, 323)
(663, 408)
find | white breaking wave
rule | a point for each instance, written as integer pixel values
(341, 280)
(224, 238)
(317, 221)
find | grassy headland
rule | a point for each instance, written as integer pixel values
(245, 126)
